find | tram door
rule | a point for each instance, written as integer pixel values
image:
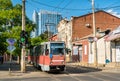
(46, 56)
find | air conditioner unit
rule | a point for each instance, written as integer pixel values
(87, 25)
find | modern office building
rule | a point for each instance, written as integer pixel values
(47, 21)
(35, 18)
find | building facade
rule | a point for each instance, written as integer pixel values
(35, 19)
(64, 33)
(82, 29)
(48, 21)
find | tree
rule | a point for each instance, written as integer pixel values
(2, 44)
(10, 24)
(44, 36)
(5, 4)
(36, 41)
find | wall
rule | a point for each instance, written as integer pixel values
(103, 19)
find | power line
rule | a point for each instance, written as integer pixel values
(113, 4)
(59, 4)
(56, 6)
(66, 5)
(67, 9)
(30, 3)
(110, 7)
(71, 8)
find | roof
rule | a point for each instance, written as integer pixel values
(115, 34)
(95, 13)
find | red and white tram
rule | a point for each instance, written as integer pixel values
(49, 56)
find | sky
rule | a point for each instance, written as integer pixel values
(69, 8)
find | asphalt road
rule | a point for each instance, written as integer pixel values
(71, 74)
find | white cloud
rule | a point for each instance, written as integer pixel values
(113, 13)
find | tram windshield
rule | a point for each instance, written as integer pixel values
(57, 48)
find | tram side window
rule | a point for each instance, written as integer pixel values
(38, 49)
(42, 50)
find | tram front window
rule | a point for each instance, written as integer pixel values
(57, 51)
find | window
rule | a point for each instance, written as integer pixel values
(57, 48)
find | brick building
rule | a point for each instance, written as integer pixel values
(82, 28)
(54, 38)
(82, 25)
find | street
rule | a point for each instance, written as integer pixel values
(71, 74)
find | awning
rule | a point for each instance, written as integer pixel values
(115, 34)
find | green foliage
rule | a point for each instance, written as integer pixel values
(44, 36)
(3, 44)
(5, 4)
(36, 41)
(11, 20)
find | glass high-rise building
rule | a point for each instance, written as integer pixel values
(48, 21)
(35, 18)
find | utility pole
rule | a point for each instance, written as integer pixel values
(23, 52)
(48, 28)
(94, 34)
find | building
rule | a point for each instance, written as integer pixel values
(54, 37)
(35, 18)
(114, 39)
(48, 21)
(45, 21)
(82, 32)
(64, 32)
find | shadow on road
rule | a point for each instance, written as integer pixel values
(14, 66)
(81, 69)
(29, 68)
(76, 70)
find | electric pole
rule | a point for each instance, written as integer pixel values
(94, 34)
(23, 52)
(47, 27)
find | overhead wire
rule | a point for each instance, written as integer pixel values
(55, 6)
(66, 5)
(71, 9)
(59, 4)
(113, 4)
(64, 8)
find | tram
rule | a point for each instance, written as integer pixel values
(49, 56)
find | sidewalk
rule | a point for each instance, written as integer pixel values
(33, 72)
(92, 67)
(12, 70)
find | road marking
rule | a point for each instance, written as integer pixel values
(54, 78)
(109, 76)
